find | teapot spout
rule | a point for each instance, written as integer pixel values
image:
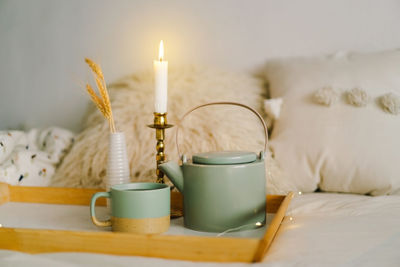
(174, 173)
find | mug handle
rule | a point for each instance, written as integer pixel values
(92, 209)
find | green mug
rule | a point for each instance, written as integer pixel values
(141, 208)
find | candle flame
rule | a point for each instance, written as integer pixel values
(161, 51)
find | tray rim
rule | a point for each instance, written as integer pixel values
(178, 247)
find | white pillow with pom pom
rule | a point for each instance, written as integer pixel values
(339, 148)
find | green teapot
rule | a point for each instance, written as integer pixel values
(222, 190)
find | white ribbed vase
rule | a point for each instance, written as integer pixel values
(118, 165)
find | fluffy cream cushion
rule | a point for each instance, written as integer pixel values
(340, 148)
(212, 128)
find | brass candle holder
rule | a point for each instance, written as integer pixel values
(160, 124)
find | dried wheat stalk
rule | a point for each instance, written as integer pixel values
(102, 102)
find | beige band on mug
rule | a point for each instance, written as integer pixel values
(141, 226)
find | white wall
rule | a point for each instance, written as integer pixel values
(43, 42)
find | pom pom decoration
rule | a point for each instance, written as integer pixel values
(326, 96)
(357, 97)
(391, 103)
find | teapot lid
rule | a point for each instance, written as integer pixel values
(224, 157)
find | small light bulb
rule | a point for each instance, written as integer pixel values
(300, 193)
(290, 218)
(258, 224)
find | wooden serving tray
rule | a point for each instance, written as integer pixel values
(181, 247)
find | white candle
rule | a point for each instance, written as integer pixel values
(161, 81)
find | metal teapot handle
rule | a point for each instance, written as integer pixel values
(223, 103)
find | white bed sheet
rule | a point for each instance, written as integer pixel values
(320, 230)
